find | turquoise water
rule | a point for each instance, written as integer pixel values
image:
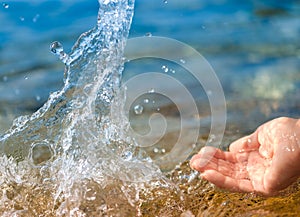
(252, 45)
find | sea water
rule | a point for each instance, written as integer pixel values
(76, 150)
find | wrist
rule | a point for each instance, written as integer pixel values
(298, 125)
(297, 129)
(298, 132)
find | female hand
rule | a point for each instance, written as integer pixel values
(264, 162)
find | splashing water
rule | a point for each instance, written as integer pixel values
(76, 149)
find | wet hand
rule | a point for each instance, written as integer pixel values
(264, 162)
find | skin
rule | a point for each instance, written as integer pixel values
(264, 162)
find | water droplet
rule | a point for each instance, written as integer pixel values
(22, 18)
(165, 68)
(225, 203)
(151, 90)
(138, 109)
(91, 198)
(56, 47)
(166, 1)
(5, 5)
(155, 150)
(163, 150)
(40, 153)
(35, 18)
(38, 98)
(172, 71)
(148, 34)
(26, 77)
(182, 61)
(212, 137)
(241, 150)
(127, 155)
(146, 101)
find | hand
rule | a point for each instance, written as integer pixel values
(264, 162)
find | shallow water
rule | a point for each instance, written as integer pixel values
(249, 44)
(260, 77)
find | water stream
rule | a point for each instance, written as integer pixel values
(72, 142)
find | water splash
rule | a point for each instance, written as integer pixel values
(57, 48)
(77, 141)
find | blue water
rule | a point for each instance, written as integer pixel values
(253, 47)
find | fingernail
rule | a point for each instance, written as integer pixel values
(208, 150)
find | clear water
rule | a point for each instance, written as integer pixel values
(245, 42)
(73, 140)
(72, 156)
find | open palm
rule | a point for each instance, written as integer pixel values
(265, 162)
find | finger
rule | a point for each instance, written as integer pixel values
(209, 157)
(245, 144)
(267, 134)
(201, 164)
(201, 159)
(224, 162)
(209, 152)
(225, 155)
(222, 181)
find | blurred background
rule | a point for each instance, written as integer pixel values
(252, 45)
